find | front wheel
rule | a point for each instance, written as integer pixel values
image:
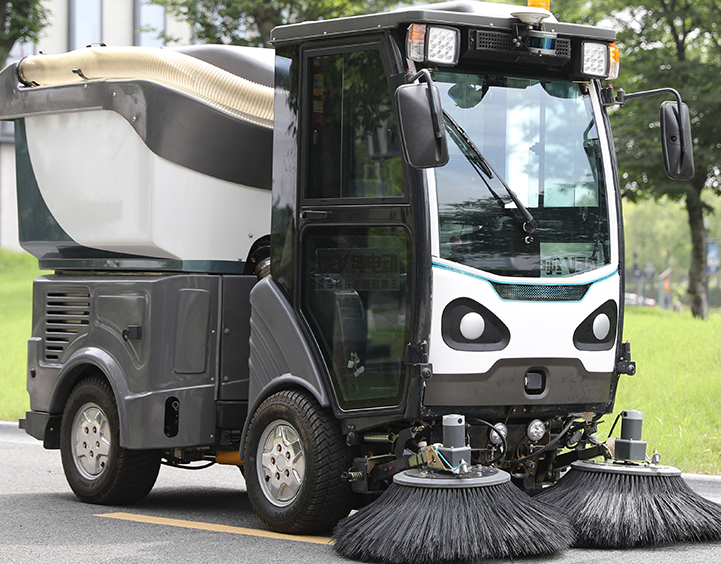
(97, 468)
(295, 455)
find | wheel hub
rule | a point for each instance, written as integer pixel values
(92, 441)
(282, 463)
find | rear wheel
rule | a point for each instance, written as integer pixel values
(295, 456)
(97, 468)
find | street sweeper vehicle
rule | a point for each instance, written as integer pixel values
(383, 258)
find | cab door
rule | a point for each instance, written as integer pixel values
(355, 235)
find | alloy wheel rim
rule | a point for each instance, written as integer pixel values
(281, 463)
(91, 441)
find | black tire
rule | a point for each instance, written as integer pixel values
(96, 467)
(301, 491)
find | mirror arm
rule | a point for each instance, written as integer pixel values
(437, 123)
(622, 98)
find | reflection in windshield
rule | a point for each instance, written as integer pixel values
(539, 136)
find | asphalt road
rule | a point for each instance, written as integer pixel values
(195, 516)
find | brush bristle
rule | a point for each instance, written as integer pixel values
(610, 510)
(415, 525)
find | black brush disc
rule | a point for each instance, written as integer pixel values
(433, 518)
(617, 505)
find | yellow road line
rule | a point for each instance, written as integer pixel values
(213, 527)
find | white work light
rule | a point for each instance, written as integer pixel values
(535, 430)
(433, 44)
(595, 59)
(494, 437)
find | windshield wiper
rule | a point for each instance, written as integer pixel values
(481, 164)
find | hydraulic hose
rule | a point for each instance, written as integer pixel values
(184, 72)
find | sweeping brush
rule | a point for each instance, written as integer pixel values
(620, 505)
(428, 516)
(630, 502)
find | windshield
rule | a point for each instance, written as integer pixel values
(540, 140)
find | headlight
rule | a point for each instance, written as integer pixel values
(493, 436)
(595, 59)
(472, 325)
(598, 331)
(535, 430)
(601, 326)
(433, 44)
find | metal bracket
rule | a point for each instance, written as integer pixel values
(133, 333)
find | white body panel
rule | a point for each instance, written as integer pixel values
(538, 329)
(109, 191)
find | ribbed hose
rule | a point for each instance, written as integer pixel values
(178, 70)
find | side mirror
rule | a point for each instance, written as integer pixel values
(423, 135)
(676, 141)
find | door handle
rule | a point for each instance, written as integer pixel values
(315, 215)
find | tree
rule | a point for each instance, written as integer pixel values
(664, 43)
(22, 20)
(248, 22)
(673, 43)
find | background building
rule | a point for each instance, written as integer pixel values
(75, 24)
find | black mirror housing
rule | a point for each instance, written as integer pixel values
(677, 142)
(423, 135)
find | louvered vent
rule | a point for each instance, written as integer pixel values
(67, 316)
(493, 41)
(538, 292)
(499, 41)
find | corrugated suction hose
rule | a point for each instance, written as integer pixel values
(181, 71)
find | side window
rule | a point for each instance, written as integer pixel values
(357, 301)
(353, 147)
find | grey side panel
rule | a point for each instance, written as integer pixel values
(191, 331)
(278, 346)
(235, 337)
(153, 337)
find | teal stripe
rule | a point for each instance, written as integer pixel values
(491, 281)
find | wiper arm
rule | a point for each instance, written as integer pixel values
(529, 223)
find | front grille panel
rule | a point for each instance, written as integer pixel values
(541, 292)
(67, 316)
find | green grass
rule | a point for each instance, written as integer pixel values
(17, 271)
(677, 386)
